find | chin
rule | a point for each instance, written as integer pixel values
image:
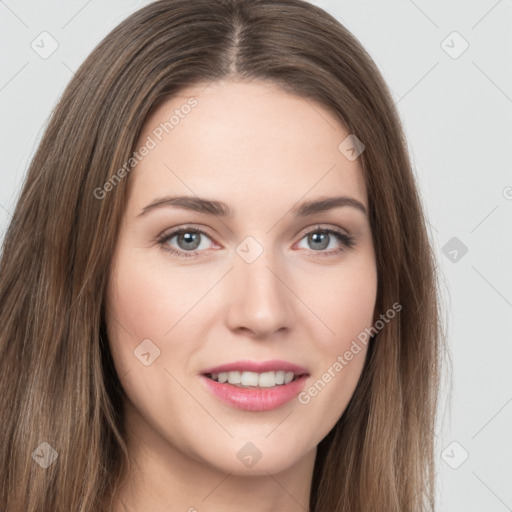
(258, 455)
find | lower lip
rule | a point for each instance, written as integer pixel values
(253, 399)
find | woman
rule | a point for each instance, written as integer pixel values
(173, 336)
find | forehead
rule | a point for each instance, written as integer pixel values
(244, 139)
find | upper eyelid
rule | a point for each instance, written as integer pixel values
(172, 232)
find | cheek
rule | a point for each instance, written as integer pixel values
(147, 299)
(342, 298)
(133, 306)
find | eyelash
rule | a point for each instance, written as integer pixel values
(347, 241)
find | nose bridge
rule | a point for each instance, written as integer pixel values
(259, 298)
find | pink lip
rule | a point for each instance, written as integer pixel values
(273, 365)
(256, 399)
(253, 399)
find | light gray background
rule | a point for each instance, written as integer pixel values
(457, 113)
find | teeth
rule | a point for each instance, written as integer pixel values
(247, 379)
(234, 377)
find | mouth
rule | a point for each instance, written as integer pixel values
(254, 380)
(255, 386)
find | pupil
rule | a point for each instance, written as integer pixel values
(323, 239)
(190, 240)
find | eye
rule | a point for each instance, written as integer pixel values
(320, 239)
(188, 239)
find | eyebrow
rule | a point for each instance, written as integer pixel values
(221, 209)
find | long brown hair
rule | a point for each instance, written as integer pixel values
(57, 381)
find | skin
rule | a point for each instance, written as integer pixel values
(261, 151)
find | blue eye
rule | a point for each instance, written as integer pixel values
(189, 241)
(322, 238)
(188, 238)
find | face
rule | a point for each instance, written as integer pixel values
(256, 294)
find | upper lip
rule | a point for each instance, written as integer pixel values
(257, 367)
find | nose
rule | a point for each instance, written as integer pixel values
(260, 302)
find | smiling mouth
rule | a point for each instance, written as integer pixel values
(244, 379)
